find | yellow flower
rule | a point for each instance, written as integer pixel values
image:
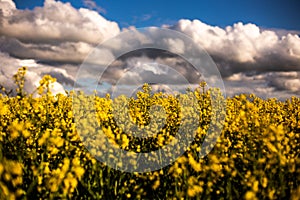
(45, 136)
(76, 161)
(79, 171)
(53, 184)
(198, 189)
(14, 134)
(271, 147)
(46, 169)
(255, 186)
(264, 182)
(178, 170)
(216, 167)
(40, 179)
(125, 141)
(271, 194)
(66, 164)
(191, 192)
(26, 133)
(1, 169)
(156, 184)
(250, 195)
(195, 165)
(16, 168)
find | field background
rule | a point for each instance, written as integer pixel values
(42, 156)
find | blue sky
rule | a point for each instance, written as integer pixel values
(140, 13)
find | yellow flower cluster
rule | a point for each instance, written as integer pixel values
(42, 155)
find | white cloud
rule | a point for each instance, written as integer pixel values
(57, 21)
(7, 7)
(68, 52)
(9, 66)
(55, 32)
(176, 46)
(249, 58)
(268, 84)
(286, 81)
(244, 47)
(151, 71)
(93, 6)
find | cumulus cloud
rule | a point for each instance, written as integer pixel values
(172, 71)
(7, 7)
(140, 49)
(56, 38)
(269, 84)
(67, 52)
(55, 32)
(54, 22)
(9, 66)
(244, 47)
(152, 66)
(285, 81)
